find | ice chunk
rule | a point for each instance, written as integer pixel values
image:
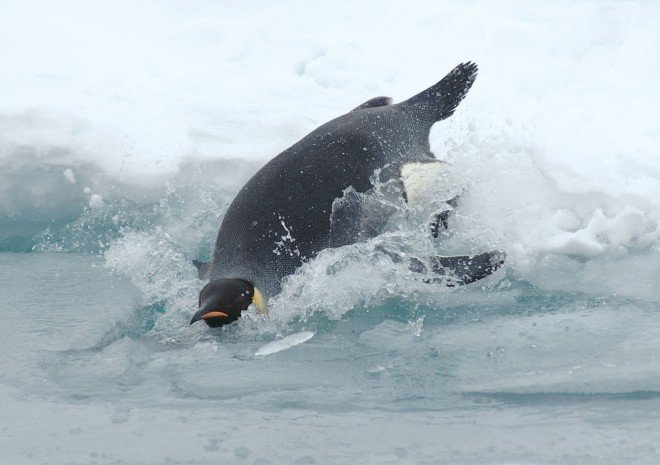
(627, 225)
(582, 243)
(285, 343)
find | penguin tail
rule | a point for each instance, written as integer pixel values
(452, 271)
(440, 100)
(461, 270)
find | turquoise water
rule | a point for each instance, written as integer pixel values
(554, 362)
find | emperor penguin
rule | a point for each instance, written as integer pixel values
(299, 203)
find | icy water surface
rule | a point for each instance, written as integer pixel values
(552, 360)
(90, 374)
(360, 362)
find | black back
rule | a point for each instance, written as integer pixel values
(281, 217)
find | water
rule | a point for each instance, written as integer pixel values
(99, 362)
(125, 133)
(538, 377)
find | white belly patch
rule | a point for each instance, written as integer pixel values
(420, 180)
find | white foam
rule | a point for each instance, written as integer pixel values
(95, 201)
(69, 176)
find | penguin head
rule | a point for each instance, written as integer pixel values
(223, 300)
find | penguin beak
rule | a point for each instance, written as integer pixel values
(204, 313)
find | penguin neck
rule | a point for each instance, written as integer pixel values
(259, 299)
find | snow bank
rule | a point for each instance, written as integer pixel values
(557, 141)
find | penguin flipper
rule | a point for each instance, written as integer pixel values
(440, 100)
(419, 180)
(358, 217)
(344, 223)
(374, 102)
(203, 269)
(440, 219)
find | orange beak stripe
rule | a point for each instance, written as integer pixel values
(214, 315)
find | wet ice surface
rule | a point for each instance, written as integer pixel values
(529, 377)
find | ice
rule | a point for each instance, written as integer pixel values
(125, 131)
(284, 343)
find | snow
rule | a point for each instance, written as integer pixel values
(126, 129)
(559, 118)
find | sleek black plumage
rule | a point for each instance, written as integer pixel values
(281, 217)
(284, 215)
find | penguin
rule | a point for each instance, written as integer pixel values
(310, 197)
